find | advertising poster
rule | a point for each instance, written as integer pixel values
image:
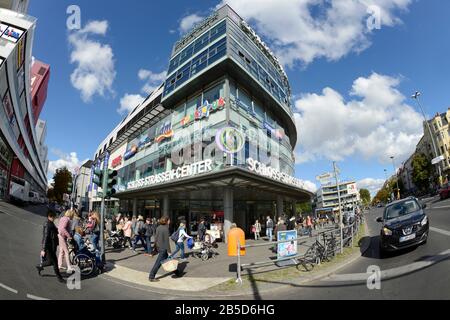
(287, 249)
(351, 188)
(12, 34)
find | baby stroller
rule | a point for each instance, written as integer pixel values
(205, 249)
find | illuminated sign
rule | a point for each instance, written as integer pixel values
(12, 34)
(117, 162)
(166, 132)
(204, 111)
(186, 120)
(174, 174)
(273, 174)
(230, 140)
(131, 153)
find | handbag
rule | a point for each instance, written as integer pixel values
(253, 229)
(170, 265)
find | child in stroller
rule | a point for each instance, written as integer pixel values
(205, 250)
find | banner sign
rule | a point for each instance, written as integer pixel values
(274, 174)
(287, 249)
(175, 174)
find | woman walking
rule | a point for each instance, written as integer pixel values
(179, 237)
(49, 246)
(63, 236)
(127, 233)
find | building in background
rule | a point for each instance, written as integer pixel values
(327, 196)
(15, 5)
(81, 183)
(405, 174)
(216, 139)
(22, 172)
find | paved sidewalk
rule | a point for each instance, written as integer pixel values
(197, 275)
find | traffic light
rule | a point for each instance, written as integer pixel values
(98, 177)
(112, 181)
(69, 187)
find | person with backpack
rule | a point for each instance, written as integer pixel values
(269, 228)
(179, 237)
(139, 233)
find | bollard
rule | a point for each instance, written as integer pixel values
(352, 235)
(239, 279)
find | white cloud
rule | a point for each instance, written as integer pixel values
(129, 102)
(373, 185)
(95, 71)
(152, 80)
(310, 186)
(304, 30)
(70, 161)
(188, 22)
(375, 124)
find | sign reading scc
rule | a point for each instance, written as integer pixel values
(175, 174)
(274, 174)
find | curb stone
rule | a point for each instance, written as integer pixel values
(216, 294)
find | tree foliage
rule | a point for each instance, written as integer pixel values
(422, 171)
(365, 196)
(61, 178)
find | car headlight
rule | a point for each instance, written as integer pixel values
(387, 232)
(424, 221)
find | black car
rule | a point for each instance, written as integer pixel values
(405, 224)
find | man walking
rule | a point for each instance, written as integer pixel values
(162, 245)
(139, 232)
(269, 228)
(49, 246)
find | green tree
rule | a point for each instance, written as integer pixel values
(422, 171)
(365, 196)
(304, 207)
(61, 178)
(51, 194)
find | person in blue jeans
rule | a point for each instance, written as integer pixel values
(269, 228)
(148, 236)
(179, 237)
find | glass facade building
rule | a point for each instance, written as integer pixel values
(218, 129)
(22, 162)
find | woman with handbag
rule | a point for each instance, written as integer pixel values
(49, 246)
(256, 229)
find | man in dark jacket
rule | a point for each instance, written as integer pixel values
(162, 244)
(49, 245)
(201, 230)
(148, 236)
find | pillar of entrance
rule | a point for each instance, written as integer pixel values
(166, 204)
(135, 207)
(280, 209)
(294, 208)
(228, 204)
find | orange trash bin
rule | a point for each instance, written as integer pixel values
(235, 235)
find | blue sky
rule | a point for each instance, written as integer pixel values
(364, 115)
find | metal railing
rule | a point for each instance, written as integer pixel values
(349, 233)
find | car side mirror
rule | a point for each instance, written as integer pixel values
(379, 219)
(424, 205)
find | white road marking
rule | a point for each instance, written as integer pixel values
(444, 232)
(8, 288)
(30, 296)
(444, 207)
(394, 272)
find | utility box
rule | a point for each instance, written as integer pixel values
(235, 235)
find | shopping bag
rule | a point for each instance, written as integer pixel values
(170, 265)
(190, 243)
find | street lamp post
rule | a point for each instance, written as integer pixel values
(395, 172)
(415, 96)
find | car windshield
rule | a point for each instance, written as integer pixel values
(401, 209)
